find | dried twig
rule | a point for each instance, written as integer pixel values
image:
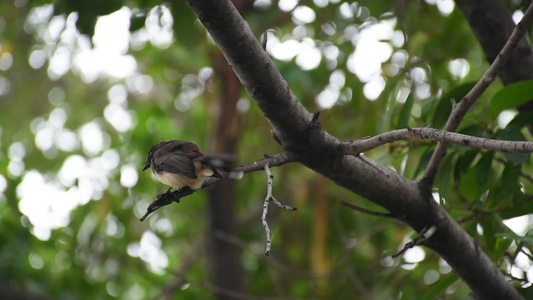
(425, 234)
(488, 77)
(269, 198)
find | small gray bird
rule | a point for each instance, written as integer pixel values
(180, 163)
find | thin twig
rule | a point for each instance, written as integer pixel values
(488, 77)
(265, 212)
(269, 198)
(169, 197)
(529, 256)
(359, 146)
(424, 235)
(366, 211)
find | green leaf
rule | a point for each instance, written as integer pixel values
(184, 29)
(527, 292)
(441, 285)
(444, 108)
(469, 186)
(518, 210)
(511, 96)
(510, 183)
(444, 179)
(511, 133)
(483, 168)
(405, 113)
(424, 161)
(474, 130)
(427, 109)
(494, 198)
(391, 102)
(86, 23)
(493, 227)
(521, 120)
(513, 236)
(137, 21)
(464, 162)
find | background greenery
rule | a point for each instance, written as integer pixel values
(98, 249)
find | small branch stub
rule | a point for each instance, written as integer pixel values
(269, 198)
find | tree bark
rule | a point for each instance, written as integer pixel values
(299, 132)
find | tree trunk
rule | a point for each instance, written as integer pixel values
(225, 262)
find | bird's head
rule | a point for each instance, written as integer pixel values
(151, 155)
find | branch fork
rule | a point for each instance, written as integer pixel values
(270, 198)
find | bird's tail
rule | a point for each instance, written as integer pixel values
(221, 164)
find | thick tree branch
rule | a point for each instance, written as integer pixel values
(293, 126)
(359, 146)
(462, 107)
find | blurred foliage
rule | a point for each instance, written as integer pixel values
(324, 250)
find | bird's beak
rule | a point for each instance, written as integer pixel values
(147, 165)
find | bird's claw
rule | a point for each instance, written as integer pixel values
(163, 199)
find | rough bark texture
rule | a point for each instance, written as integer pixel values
(300, 133)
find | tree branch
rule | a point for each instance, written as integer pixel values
(270, 197)
(292, 125)
(488, 77)
(169, 197)
(423, 236)
(492, 23)
(359, 146)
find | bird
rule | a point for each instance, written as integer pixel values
(181, 164)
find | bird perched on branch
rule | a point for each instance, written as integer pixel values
(180, 163)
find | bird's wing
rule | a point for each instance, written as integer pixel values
(176, 163)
